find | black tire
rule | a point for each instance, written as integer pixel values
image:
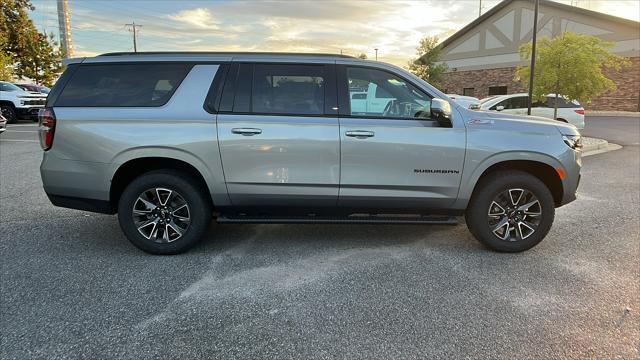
(187, 189)
(491, 188)
(9, 113)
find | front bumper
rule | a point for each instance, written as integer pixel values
(28, 112)
(572, 180)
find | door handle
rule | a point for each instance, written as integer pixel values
(360, 134)
(246, 131)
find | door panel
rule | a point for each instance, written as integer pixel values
(404, 164)
(280, 161)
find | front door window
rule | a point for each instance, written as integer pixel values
(379, 94)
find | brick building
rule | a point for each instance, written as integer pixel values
(482, 57)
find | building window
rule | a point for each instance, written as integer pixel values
(467, 91)
(497, 90)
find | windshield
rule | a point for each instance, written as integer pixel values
(488, 98)
(4, 86)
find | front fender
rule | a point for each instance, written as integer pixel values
(477, 167)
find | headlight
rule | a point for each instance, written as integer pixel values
(573, 141)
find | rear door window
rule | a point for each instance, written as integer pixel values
(287, 89)
(123, 85)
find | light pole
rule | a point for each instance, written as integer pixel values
(376, 49)
(533, 56)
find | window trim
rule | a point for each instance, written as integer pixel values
(344, 100)
(232, 84)
(214, 95)
(190, 65)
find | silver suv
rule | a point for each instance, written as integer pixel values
(169, 141)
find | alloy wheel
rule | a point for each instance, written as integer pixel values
(514, 214)
(161, 215)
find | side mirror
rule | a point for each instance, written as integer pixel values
(441, 112)
(500, 108)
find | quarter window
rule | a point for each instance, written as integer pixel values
(288, 89)
(392, 96)
(123, 85)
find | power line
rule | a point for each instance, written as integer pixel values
(134, 29)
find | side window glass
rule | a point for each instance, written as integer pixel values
(521, 102)
(386, 95)
(126, 85)
(288, 89)
(504, 103)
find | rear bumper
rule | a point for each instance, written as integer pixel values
(93, 205)
(76, 184)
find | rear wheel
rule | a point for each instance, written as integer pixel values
(510, 211)
(164, 212)
(9, 113)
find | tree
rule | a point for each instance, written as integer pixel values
(6, 68)
(569, 65)
(362, 56)
(425, 66)
(29, 53)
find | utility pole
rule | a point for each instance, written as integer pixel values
(134, 29)
(533, 56)
(480, 9)
(376, 49)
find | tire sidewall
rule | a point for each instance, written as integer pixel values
(200, 211)
(488, 190)
(10, 114)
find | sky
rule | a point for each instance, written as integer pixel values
(333, 26)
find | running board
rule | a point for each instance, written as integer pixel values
(423, 220)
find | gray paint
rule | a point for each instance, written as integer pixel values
(300, 161)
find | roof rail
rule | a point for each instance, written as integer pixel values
(223, 53)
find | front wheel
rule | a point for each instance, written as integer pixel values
(9, 113)
(164, 212)
(510, 211)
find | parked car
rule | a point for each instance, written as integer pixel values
(568, 111)
(274, 138)
(468, 102)
(374, 100)
(3, 124)
(16, 103)
(34, 88)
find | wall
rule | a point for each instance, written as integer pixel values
(625, 98)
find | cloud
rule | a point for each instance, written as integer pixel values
(353, 27)
(200, 18)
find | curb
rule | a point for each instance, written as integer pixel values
(612, 113)
(595, 146)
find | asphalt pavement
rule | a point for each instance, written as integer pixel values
(72, 286)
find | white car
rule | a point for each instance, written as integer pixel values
(468, 102)
(16, 103)
(568, 111)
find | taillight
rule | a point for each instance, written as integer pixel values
(47, 122)
(579, 111)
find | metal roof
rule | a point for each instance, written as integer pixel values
(227, 53)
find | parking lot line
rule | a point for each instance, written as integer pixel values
(16, 140)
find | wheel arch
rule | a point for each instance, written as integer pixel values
(541, 170)
(133, 168)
